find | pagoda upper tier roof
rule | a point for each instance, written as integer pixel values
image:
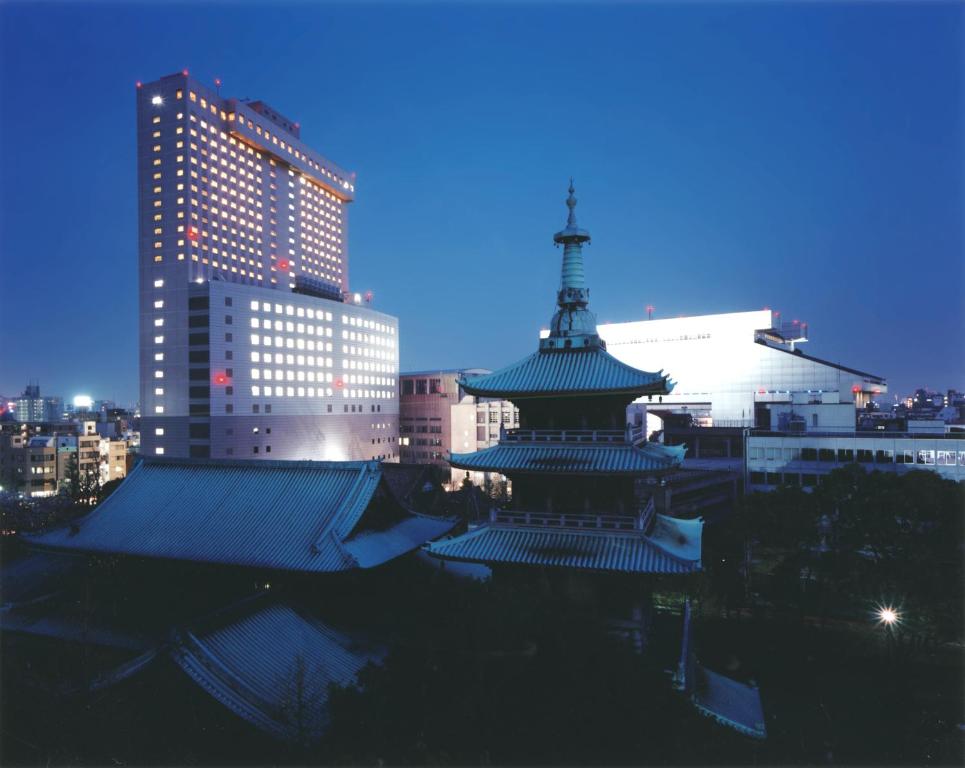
(573, 371)
(672, 547)
(602, 459)
(286, 515)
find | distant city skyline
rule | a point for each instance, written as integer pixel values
(803, 157)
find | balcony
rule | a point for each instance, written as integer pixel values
(562, 436)
(581, 521)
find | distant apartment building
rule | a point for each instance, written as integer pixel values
(437, 417)
(251, 345)
(30, 406)
(36, 459)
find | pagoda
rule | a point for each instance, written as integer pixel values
(582, 477)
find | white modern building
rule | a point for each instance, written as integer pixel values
(746, 398)
(742, 369)
(251, 344)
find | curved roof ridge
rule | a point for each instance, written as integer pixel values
(567, 371)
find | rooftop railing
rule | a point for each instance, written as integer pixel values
(581, 520)
(562, 436)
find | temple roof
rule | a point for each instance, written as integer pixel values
(567, 372)
(571, 459)
(285, 515)
(273, 666)
(673, 547)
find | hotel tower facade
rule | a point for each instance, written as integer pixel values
(251, 343)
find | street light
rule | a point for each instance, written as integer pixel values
(888, 616)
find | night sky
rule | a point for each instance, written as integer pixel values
(805, 157)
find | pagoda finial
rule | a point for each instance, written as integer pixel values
(573, 322)
(571, 204)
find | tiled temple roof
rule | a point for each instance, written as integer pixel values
(286, 515)
(672, 547)
(273, 667)
(509, 457)
(567, 372)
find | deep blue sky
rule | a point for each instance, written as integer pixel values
(808, 157)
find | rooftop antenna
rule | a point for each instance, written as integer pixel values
(650, 309)
(217, 85)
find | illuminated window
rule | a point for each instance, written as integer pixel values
(159, 304)
(159, 390)
(158, 339)
(159, 431)
(158, 283)
(159, 374)
(159, 409)
(159, 357)
(157, 119)
(159, 451)
(158, 322)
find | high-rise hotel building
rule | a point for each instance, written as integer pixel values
(251, 345)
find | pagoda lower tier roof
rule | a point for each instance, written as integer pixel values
(304, 516)
(582, 459)
(592, 371)
(673, 547)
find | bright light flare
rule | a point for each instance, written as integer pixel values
(888, 616)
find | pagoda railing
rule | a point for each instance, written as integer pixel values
(580, 520)
(563, 436)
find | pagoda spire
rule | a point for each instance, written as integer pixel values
(573, 326)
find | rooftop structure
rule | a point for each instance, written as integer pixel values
(574, 462)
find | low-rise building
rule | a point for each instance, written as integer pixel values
(37, 459)
(777, 457)
(437, 418)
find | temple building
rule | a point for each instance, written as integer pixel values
(228, 571)
(583, 481)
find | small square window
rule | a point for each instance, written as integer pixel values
(229, 408)
(227, 301)
(255, 408)
(228, 337)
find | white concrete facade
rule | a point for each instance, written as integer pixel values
(726, 366)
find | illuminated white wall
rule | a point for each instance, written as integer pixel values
(719, 368)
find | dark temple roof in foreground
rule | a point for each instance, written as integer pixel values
(285, 515)
(272, 666)
(672, 547)
(567, 372)
(571, 459)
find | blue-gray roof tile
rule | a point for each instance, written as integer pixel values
(567, 372)
(675, 549)
(570, 459)
(284, 515)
